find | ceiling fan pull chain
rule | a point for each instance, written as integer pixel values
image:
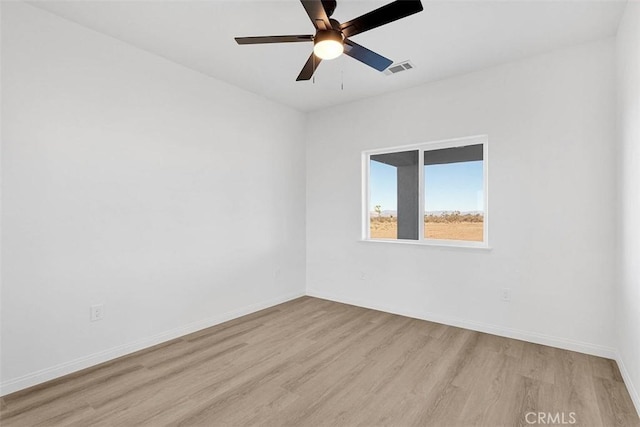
(342, 73)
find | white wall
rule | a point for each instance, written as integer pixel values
(175, 200)
(628, 302)
(551, 127)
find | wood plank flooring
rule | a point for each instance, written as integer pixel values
(311, 362)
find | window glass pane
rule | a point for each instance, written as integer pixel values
(454, 197)
(394, 195)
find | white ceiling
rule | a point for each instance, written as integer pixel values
(447, 38)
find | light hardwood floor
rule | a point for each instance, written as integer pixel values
(312, 362)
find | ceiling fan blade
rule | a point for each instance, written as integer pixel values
(388, 13)
(309, 68)
(366, 56)
(273, 39)
(317, 13)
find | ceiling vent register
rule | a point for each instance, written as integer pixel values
(399, 67)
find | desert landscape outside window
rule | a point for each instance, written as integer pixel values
(431, 193)
(454, 193)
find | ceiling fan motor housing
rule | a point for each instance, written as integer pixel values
(329, 6)
(326, 35)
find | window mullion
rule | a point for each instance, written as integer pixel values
(366, 196)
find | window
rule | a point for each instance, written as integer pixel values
(428, 193)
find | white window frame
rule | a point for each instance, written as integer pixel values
(421, 148)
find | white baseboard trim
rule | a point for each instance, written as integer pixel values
(66, 368)
(534, 337)
(633, 392)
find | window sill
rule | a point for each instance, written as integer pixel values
(457, 244)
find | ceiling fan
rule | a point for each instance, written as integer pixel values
(332, 38)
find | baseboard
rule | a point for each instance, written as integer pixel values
(534, 337)
(62, 369)
(633, 392)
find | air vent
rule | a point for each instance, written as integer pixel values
(399, 67)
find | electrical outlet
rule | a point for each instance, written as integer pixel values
(97, 312)
(505, 294)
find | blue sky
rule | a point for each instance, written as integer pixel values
(448, 187)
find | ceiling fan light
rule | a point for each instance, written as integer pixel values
(328, 44)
